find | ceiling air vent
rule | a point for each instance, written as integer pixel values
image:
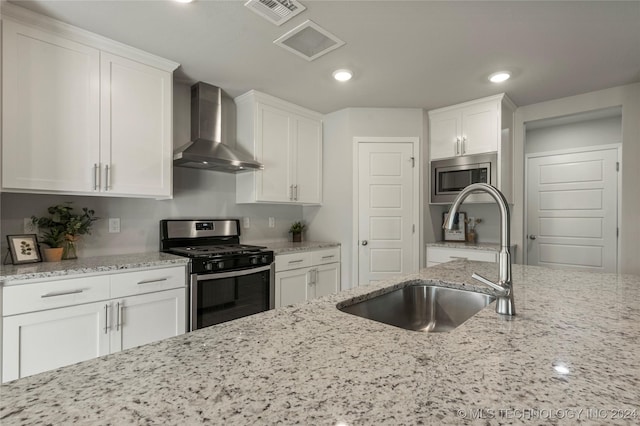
(276, 11)
(309, 41)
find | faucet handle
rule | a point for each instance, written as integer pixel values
(483, 280)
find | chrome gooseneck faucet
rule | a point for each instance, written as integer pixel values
(504, 305)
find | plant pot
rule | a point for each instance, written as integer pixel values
(53, 254)
(297, 237)
(471, 237)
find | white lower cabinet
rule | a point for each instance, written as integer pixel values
(306, 275)
(47, 325)
(148, 318)
(41, 341)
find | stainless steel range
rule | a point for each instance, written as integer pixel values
(229, 280)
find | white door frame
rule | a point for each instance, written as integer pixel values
(617, 146)
(418, 238)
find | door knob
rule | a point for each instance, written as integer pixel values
(365, 242)
(532, 237)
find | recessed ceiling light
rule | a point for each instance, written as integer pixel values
(499, 77)
(342, 75)
(184, 1)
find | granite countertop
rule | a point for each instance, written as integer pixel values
(282, 247)
(16, 274)
(464, 245)
(570, 354)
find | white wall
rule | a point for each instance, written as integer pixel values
(197, 193)
(334, 219)
(628, 98)
(603, 131)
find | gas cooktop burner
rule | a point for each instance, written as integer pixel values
(216, 250)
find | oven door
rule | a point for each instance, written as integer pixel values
(225, 296)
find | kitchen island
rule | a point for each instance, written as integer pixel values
(571, 354)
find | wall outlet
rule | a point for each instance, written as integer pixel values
(114, 225)
(29, 227)
(272, 222)
(246, 223)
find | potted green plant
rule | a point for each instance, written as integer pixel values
(54, 238)
(63, 221)
(296, 231)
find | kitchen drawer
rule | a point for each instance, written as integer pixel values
(445, 254)
(19, 299)
(140, 282)
(320, 257)
(301, 259)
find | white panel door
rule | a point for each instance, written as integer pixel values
(480, 128)
(308, 154)
(41, 341)
(275, 144)
(292, 287)
(444, 134)
(327, 279)
(147, 318)
(51, 111)
(385, 210)
(136, 128)
(572, 210)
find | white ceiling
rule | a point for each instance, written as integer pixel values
(423, 54)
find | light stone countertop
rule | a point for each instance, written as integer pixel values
(463, 245)
(283, 247)
(17, 274)
(572, 347)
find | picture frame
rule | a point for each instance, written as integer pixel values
(458, 234)
(24, 248)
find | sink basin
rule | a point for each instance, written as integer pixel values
(422, 307)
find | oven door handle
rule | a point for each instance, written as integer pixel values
(233, 273)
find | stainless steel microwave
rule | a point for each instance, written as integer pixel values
(450, 176)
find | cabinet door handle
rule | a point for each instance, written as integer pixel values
(96, 176)
(106, 318)
(462, 150)
(62, 293)
(457, 146)
(328, 257)
(295, 196)
(107, 177)
(290, 192)
(157, 280)
(120, 315)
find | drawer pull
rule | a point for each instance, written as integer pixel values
(296, 261)
(329, 257)
(459, 257)
(62, 293)
(106, 319)
(157, 280)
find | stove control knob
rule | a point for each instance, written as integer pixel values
(220, 265)
(265, 259)
(208, 266)
(254, 260)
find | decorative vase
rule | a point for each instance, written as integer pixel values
(53, 254)
(70, 248)
(297, 237)
(471, 236)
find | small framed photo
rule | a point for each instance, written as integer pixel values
(24, 248)
(459, 231)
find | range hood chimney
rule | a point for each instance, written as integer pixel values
(213, 116)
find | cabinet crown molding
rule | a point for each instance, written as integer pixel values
(59, 28)
(501, 97)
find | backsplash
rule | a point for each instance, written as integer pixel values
(197, 194)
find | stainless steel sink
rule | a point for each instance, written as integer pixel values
(422, 307)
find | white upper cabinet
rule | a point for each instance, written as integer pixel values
(470, 128)
(82, 114)
(287, 140)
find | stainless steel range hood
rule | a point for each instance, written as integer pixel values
(213, 116)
